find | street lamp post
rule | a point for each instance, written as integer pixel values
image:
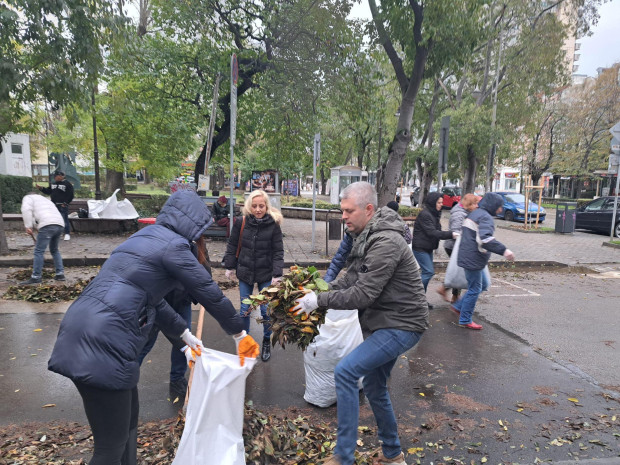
(96, 150)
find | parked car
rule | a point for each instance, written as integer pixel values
(596, 216)
(451, 196)
(514, 208)
(415, 195)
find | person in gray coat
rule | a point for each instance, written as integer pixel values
(383, 282)
(105, 329)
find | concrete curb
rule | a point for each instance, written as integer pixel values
(604, 461)
(609, 244)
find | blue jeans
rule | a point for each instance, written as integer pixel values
(48, 235)
(178, 362)
(245, 290)
(425, 260)
(373, 359)
(476, 283)
(64, 211)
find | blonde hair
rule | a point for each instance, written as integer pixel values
(468, 201)
(247, 206)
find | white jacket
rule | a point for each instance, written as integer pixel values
(39, 211)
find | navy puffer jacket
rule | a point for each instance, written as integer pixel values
(477, 234)
(104, 330)
(261, 256)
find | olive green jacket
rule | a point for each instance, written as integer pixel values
(382, 280)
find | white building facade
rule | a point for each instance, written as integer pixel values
(15, 156)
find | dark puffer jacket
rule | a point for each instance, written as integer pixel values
(261, 257)
(427, 229)
(104, 330)
(477, 239)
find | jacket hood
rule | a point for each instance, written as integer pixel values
(430, 202)
(491, 202)
(385, 219)
(186, 214)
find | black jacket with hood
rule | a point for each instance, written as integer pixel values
(427, 229)
(105, 329)
(261, 256)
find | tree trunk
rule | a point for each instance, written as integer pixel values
(469, 178)
(114, 180)
(221, 181)
(4, 246)
(147, 176)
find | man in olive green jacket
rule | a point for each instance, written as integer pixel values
(383, 282)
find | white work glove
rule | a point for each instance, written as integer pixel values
(230, 274)
(509, 255)
(192, 341)
(190, 355)
(275, 280)
(306, 303)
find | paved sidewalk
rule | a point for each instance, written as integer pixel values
(580, 248)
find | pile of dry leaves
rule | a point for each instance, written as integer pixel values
(47, 292)
(287, 326)
(269, 439)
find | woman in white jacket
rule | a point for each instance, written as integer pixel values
(40, 213)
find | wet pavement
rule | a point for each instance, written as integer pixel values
(548, 337)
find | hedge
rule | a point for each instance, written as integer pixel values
(12, 190)
(320, 204)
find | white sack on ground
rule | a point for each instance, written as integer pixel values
(213, 433)
(111, 208)
(338, 336)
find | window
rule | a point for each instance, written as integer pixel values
(595, 206)
(17, 149)
(609, 205)
(510, 184)
(515, 198)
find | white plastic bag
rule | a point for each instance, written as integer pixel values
(455, 275)
(213, 433)
(338, 336)
(112, 209)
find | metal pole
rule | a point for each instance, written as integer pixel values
(613, 217)
(96, 150)
(315, 162)
(216, 91)
(492, 151)
(233, 131)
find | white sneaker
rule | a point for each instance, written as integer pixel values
(67, 237)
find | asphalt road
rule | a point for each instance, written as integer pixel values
(547, 338)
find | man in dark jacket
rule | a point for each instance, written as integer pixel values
(61, 194)
(477, 243)
(426, 235)
(383, 282)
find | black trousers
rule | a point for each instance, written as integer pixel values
(113, 419)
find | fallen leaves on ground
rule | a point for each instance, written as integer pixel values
(47, 292)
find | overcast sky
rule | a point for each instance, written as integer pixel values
(600, 50)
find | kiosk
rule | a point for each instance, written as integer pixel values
(341, 177)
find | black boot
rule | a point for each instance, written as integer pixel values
(130, 456)
(178, 389)
(265, 353)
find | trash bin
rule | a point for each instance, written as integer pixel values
(335, 226)
(565, 217)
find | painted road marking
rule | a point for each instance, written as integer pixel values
(528, 293)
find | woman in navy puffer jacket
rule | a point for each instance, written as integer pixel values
(105, 329)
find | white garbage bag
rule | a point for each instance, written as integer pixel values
(455, 275)
(213, 433)
(112, 209)
(338, 336)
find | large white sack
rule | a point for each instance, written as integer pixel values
(213, 433)
(111, 208)
(338, 336)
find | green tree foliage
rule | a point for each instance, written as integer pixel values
(48, 52)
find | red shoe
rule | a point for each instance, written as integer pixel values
(455, 310)
(472, 325)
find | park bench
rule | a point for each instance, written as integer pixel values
(214, 230)
(136, 196)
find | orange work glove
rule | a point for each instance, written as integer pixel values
(246, 347)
